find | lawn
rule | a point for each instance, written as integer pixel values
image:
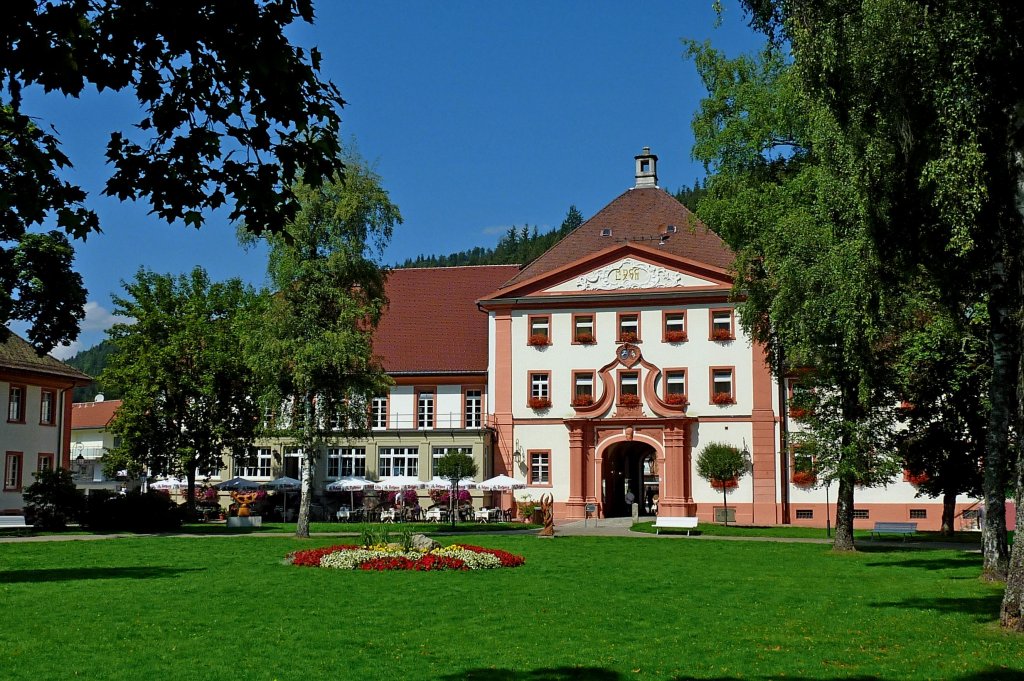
(583, 607)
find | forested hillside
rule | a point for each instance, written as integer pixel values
(92, 362)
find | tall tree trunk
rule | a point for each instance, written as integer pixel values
(308, 461)
(844, 517)
(1001, 392)
(948, 514)
(190, 493)
(1011, 614)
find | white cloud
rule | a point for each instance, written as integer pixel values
(497, 229)
(63, 352)
(99, 318)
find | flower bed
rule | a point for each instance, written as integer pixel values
(388, 557)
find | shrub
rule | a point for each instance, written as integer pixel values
(132, 512)
(53, 501)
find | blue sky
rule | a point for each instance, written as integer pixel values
(477, 115)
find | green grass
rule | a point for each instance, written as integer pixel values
(583, 607)
(795, 532)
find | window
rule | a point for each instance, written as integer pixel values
(918, 513)
(540, 468)
(583, 328)
(44, 463)
(721, 325)
(256, 464)
(399, 461)
(629, 328)
(474, 409)
(675, 386)
(583, 388)
(346, 462)
(860, 514)
(805, 514)
(540, 390)
(425, 410)
(438, 452)
(629, 388)
(540, 331)
(16, 404)
(12, 471)
(379, 413)
(674, 330)
(46, 402)
(212, 469)
(606, 231)
(721, 386)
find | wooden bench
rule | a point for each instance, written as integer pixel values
(675, 523)
(904, 529)
(13, 522)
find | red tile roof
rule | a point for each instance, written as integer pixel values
(641, 216)
(432, 323)
(93, 414)
(17, 354)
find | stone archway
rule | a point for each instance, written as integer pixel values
(626, 474)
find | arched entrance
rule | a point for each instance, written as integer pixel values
(628, 475)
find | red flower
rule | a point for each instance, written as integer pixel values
(582, 401)
(725, 484)
(675, 399)
(721, 335)
(539, 403)
(804, 478)
(629, 400)
(585, 338)
(915, 478)
(722, 398)
(675, 336)
(628, 337)
(539, 339)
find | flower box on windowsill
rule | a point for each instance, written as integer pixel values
(675, 336)
(722, 335)
(539, 403)
(629, 401)
(804, 478)
(731, 483)
(539, 339)
(675, 399)
(583, 401)
(585, 338)
(915, 478)
(722, 399)
(798, 413)
(628, 337)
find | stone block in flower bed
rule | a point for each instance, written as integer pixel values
(393, 557)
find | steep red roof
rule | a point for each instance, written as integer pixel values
(641, 216)
(17, 354)
(432, 323)
(93, 414)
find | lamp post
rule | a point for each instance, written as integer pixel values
(79, 459)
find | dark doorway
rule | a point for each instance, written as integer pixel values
(627, 473)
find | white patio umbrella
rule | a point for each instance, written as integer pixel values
(350, 484)
(398, 483)
(502, 483)
(444, 483)
(169, 483)
(283, 484)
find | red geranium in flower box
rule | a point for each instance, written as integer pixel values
(722, 399)
(721, 335)
(797, 412)
(805, 478)
(628, 337)
(585, 338)
(629, 400)
(675, 336)
(915, 478)
(731, 483)
(582, 401)
(675, 399)
(539, 403)
(539, 339)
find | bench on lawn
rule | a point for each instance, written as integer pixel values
(13, 522)
(675, 523)
(904, 529)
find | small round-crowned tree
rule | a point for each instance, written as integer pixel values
(720, 463)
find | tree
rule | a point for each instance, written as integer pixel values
(233, 113)
(805, 270)
(454, 466)
(187, 394)
(311, 342)
(930, 100)
(52, 501)
(721, 464)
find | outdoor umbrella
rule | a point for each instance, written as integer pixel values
(237, 485)
(444, 483)
(169, 483)
(398, 483)
(350, 484)
(283, 484)
(502, 483)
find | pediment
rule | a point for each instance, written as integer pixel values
(631, 273)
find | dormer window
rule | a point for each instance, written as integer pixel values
(607, 231)
(671, 229)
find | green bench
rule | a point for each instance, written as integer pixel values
(904, 529)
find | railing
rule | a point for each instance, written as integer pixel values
(451, 420)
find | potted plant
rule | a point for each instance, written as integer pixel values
(585, 338)
(675, 336)
(729, 483)
(629, 400)
(722, 399)
(582, 401)
(721, 335)
(539, 403)
(526, 507)
(539, 339)
(628, 337)
(675, 399)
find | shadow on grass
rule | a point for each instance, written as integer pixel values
(932, 563)
(84, 573)
(982, 608)
(601, 674)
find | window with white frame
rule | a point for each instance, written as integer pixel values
(346, 462)
(721, 385)
(584, 385)
(629, 383)
(438, 452)
(721, 324)
(257, 464)
(540, 386)
(46, 401)
(379, 413)
(399, 461)
(16, 403)
(12, 471)
(675, 384)
(629, 328)
(583, 328)
(425, 410)
(540, 330)
(675, 326)
(540, 468)
(44, 462)
(474, 408)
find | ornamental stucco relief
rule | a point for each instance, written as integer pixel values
(633, 274)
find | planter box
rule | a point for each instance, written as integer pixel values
(251, 521)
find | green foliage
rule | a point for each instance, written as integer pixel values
(232, 113)
(690, 196)
(133, 512)
(186, 389)
(454, 466)
(720, 462)
(310, 341)
(53, 501)
(93, 361)
(517, 246)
